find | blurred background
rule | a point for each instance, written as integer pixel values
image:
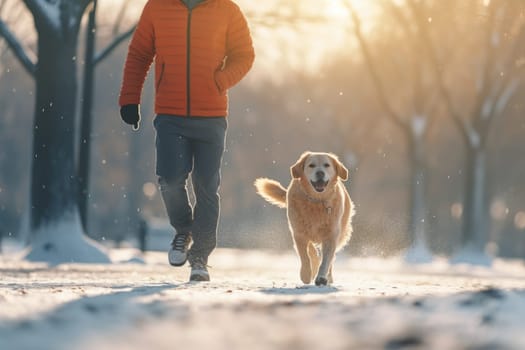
(423, 101)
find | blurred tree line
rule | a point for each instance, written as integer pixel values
(334, 108)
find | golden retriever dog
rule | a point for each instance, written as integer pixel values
(319, 211)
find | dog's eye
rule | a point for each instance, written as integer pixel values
(311, 165)
(326, 165)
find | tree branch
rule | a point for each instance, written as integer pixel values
(373, 70)
(120, 17)
(504, 97)
(511, 62)
(518, 33)
(44, 13)
(113, 45)
(495, 106)
(464, 127)
(486, 78)
(501, 98)
(18, 50)
(422, 107)
(84, 4)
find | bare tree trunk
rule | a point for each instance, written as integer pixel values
(476, 214)
(86, 119)
(56, 232)
(418, 183)
(418, 250)
(91, 61)
(491, 99)
(475, 211)
(414, 129)
(53, 191)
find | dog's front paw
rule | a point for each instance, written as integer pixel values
(321, 281)
(306, 274)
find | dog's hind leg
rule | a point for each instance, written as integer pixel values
(315, 260)
(323, 275)
(302, 249)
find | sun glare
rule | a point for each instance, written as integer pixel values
(336, 9)
(314, 31)
(365, 9)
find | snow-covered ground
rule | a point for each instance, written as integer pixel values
(255, 301)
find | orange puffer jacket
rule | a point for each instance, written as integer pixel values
(198, 54)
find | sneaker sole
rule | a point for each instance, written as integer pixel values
(199, 278)
(178, 265)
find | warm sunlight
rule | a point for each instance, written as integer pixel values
(290, 34)
(302, 36)
(366, 9)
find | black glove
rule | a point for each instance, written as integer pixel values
(130, 114)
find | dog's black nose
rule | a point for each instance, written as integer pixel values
(319, 174)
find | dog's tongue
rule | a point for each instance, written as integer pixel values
(319, 186)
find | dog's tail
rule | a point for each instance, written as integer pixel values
(272, 191)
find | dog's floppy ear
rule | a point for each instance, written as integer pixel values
(297, 169)
(342, 171)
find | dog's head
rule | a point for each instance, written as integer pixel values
(320, 170)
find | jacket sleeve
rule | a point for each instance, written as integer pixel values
(138, 61)
(239, 51)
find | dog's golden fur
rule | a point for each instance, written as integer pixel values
(319, 211)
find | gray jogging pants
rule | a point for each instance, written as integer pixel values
(184, 146)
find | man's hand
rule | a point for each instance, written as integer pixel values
(130, 114)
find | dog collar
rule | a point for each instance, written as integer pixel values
(315, 200)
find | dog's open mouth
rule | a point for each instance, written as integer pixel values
(319, 185)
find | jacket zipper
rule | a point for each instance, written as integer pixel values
(188, 39)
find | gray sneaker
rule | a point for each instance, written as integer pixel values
(199, 270)
(178, 253)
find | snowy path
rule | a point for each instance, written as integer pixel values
(255, 301)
